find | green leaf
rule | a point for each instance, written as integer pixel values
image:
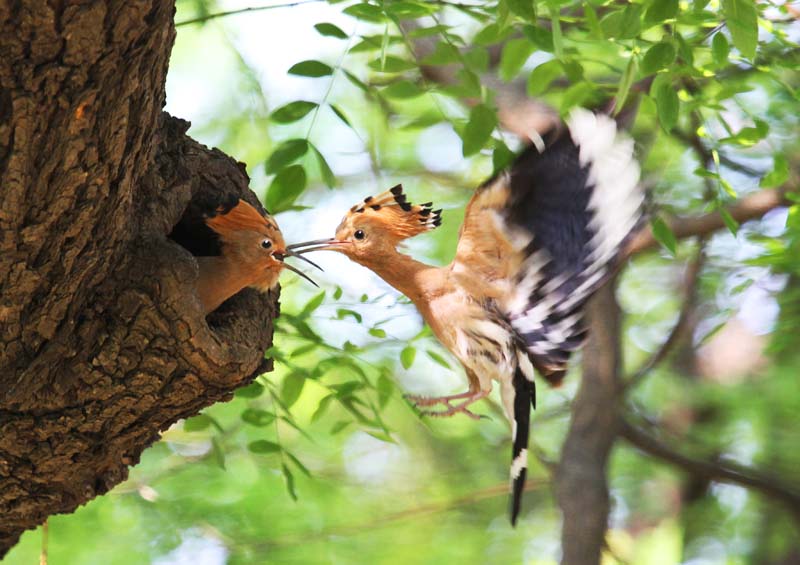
(356, 81)
(730, 222)
(667, 104)
(577, 95)
(625, 85)
(427, 31)
(477, 59)
(346, 389)
(408, 10)
(384, 387)
(366, 12)
(720, 48)
(377, 332)
(491, 34)
(502, 156)
(391, 64)
(289, 479)
(287, 152)
(515, 54)
(541, 77)
(407, 356)
(402, 89)
(291, 388)
(257, 417)
(253, 390)
(659, 56)
(479, 128)
(218, 452)
(779, 173)
(337, 294)
(303, 349)
(469, 83)
(312, 305)
(292, 111)
(311, 68)
(443, 54)
(342, 313)
(322, 407)
(525, 9)
(573, 69)
(324, 169)
(749, 136)
(659, 11)
(623, 24)
(541, 37)
(285, 188)
(555, 23)
(263, 446)
(381, 436)
(664, 235)
(742, 19)
(298, 464)
(341, 115)
(197, 423)
(685, 50)
(338, 427)
(592, 22)
(330, 30)
(438, 358)
(726, 186)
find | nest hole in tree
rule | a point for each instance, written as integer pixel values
(192, 233)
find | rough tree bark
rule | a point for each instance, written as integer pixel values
(581, 478)
(102, 340)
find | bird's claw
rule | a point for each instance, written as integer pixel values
(451, 409)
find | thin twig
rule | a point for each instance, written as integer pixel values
(416, 512)
(208, 17)
(725, 472)
(689, 301)
(699, 148)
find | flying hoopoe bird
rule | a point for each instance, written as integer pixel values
(537, 240)
(247, 249)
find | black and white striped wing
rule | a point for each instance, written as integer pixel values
(578, 200)
(546, 233)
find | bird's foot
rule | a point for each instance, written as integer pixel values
(451, 409)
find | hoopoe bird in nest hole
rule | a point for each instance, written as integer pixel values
(537, 240)
(247, 250)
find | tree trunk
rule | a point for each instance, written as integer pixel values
(103, 343)
(581, 483)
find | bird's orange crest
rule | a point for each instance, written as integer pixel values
(393, 214)
(243, 217)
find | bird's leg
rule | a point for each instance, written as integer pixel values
(460, 408)
(433, 401)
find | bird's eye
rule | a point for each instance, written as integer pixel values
(359, 234)
(266, 244)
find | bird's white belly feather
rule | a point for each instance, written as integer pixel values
(485, 347)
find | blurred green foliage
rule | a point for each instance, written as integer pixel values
(322, 460)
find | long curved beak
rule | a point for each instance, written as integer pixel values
(330, 244)
(281, 256)
(301, 273)
(290, 253)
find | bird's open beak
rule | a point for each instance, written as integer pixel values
(289, 253)
(330, 244)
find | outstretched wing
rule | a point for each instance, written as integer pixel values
(539, 238)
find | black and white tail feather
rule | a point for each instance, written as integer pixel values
(576, 202)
